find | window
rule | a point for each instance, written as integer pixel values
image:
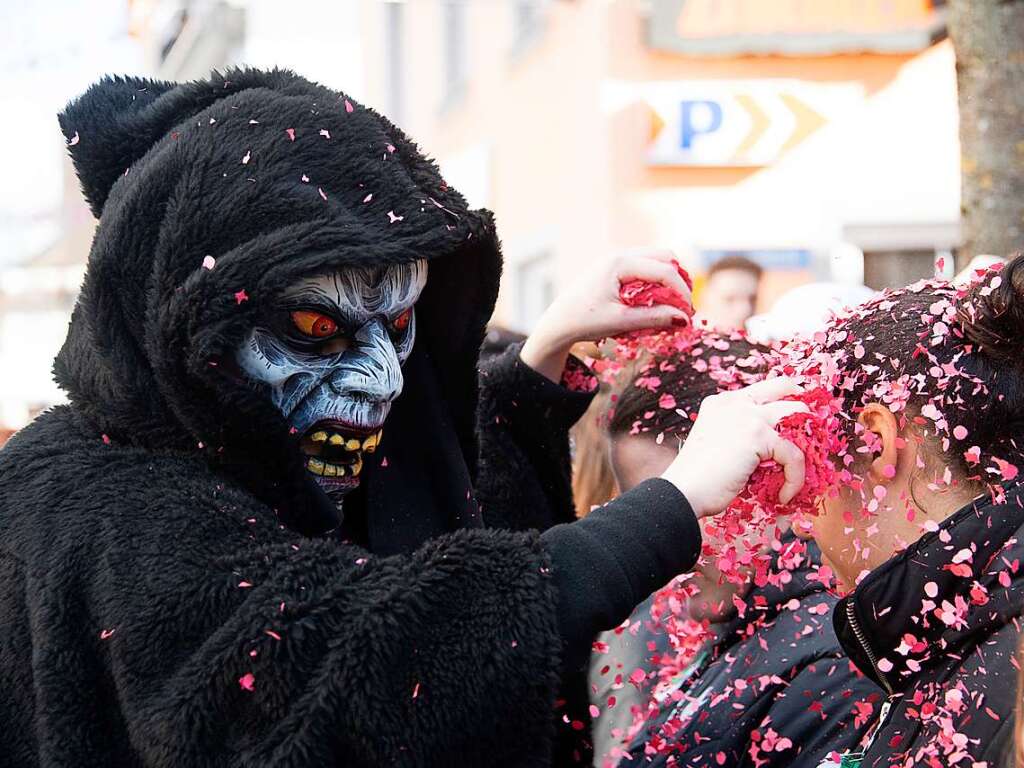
(394, 63)
(897, 268)
(454, 29)
(527, 23)
(535, 288)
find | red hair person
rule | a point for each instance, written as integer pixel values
(926, 524)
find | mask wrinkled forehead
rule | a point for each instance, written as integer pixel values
(367, 290)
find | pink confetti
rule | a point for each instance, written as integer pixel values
(106, 633)
(325, 133)
(322, 193)
(106, 439)
(244, 584)
(348, 106)
(959, 432)
(1006, 469)
(392, 218)
(247, 681)
(416, 691)
(368, 198)
(209, 262)
(931, 589)
(272, 634)
(74, 140)
(241, 296)
(291, 133)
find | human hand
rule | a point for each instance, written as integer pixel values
(592, 309)
(733, 433)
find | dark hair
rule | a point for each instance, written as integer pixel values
(950, 360)
(706, 365)
(741, 263)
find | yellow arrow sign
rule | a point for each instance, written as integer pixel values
(759, 122)
(807, 121)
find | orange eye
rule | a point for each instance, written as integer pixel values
(401, 322)
(314, 324)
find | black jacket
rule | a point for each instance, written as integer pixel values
(174, 591)
(776, 670)
(950, 637)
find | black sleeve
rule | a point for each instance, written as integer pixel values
(226, 640)
(609, 562)
(525, 475)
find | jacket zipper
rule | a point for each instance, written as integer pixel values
(851, 616)
(850, 759)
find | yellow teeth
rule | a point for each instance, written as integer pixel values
(325, 469)
(321, 449)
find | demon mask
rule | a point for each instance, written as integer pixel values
(331, 355)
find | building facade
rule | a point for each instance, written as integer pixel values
(819, 139)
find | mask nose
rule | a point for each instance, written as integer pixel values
(372, 370)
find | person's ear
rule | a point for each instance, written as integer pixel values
(880, 421)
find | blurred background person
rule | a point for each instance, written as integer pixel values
(729, 296)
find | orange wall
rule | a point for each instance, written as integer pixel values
(566, 170)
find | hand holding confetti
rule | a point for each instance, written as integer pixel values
(593, 308)
(646, 293)
(734, 434)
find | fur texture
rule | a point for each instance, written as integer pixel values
(169, 593)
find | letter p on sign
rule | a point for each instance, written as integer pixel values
(699, 117)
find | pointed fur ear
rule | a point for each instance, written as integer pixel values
(116, 121)
(119, 118)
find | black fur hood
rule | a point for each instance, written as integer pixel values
(267, 177)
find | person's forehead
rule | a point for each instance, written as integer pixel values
(734, 279)
(385, 288)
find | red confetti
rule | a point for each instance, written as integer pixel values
(644, 293)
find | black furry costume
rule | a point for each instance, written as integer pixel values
(174, 590)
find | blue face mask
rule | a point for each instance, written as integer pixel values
(332, 358)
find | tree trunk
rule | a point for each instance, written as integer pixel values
(988, 36)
